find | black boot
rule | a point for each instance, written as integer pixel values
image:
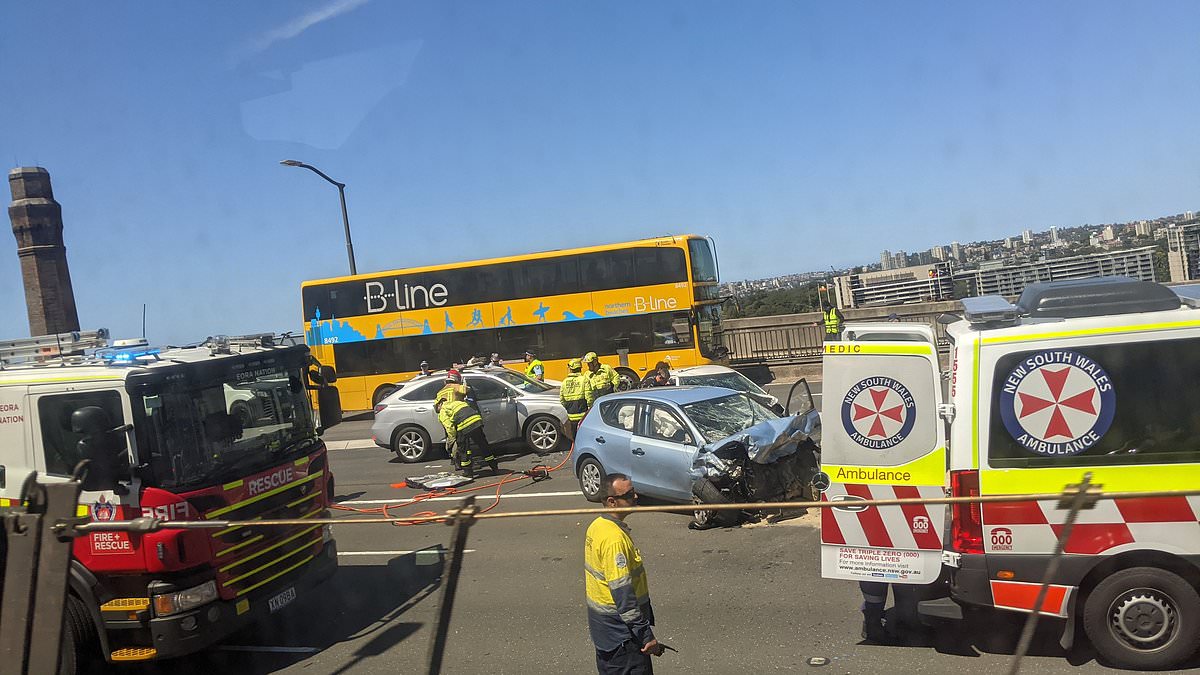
(468, 470)
(873, 630)
(495, 466)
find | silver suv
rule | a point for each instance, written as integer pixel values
(513, 406)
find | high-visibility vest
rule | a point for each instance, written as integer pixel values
(833, 322)
(450, 392)
(576, 396)
(603, 381)
(537, 366)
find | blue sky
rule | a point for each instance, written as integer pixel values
(798, 134)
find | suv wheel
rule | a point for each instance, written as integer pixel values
(543, 434)
(411, 444)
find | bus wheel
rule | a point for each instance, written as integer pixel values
(411, 444)
(1143, 618)
(381, 393)
(629, 379)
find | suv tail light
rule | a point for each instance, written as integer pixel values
(966, 525)
(379, 407)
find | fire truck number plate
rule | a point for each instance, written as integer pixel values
(282, 600)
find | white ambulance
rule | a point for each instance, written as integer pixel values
(1098, 375)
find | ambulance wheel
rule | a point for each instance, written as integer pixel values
(411, 444)
(628, 379)
(1143, 618)
(704, 492)
(80, 644)
(591, 479)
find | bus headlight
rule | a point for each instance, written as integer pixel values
(182, 601)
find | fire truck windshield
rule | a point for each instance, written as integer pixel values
(212, 421)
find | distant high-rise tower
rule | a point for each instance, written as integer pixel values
(1027, 236)
(1053, 235)
(885, 260)
(38, 226)
(955, 252)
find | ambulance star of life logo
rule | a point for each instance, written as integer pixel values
(1057, 402)
(878, 413)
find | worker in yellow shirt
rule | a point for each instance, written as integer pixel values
(575, 394)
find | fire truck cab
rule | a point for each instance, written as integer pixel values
(224, 429)
(1095, 375)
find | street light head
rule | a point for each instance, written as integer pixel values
(291, 162)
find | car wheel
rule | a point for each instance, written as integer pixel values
(381, 393)
(543, 434)
(629, 379)
(411, 444)
(591, 478)
(1143, 618)
(704, 492)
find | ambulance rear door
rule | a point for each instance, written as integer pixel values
(882, 438)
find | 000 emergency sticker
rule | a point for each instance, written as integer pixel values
(1057, 402)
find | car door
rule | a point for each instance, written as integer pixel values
(416, 407)
(611, 440)
(498, 406)
(663, 448)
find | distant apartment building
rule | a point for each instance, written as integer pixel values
(1183, 251)
(1026, 236)
(1109, 233)
(956, 252)
(899, 260)
(1004, 278)
(1053, 235)
(1142, 228)
(938, 253)
(919, 283)
(885, 260)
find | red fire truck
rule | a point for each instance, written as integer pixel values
(220, 430)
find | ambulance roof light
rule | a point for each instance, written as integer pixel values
(1096, 296)
(990, 309)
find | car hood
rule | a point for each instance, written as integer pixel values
(768, 441)
(765, 443)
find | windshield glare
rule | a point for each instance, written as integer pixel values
(734, 381)
(523, 383)
(722, 417)
(201, 431)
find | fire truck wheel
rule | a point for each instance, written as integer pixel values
(80, 645)
(1143, 618)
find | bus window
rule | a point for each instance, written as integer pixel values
(659, 266)
(552, 276)
(607, 270)
(704, 266)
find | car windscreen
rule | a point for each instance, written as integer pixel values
(521, 382)
(734, 381)
(719, 418)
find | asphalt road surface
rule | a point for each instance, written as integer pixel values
(747, 599)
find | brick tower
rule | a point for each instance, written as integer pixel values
(38, 226)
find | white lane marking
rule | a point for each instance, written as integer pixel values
(361, 444)
(360, 553)
(482, 494)
(274, 650)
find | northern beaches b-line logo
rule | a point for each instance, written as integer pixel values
(878, 413)
(1057, 402)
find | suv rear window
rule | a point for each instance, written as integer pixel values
(425, 392)
(1115, 404)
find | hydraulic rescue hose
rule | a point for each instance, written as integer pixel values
(537, 473)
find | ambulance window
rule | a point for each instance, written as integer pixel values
(59, 443)
(1100, 405)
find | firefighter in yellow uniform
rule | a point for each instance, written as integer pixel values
(603, 378)
(575, 394)
(464, 431)
(454, 386)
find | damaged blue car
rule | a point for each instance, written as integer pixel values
(704, 445)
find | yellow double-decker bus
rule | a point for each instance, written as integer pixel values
(633, 303)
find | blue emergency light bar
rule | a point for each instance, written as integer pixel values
(120, 357)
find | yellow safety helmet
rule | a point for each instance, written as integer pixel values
(574, 365)
(589, 357)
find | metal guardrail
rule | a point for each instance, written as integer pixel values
(802, 341)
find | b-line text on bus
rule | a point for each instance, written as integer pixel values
(403, 296)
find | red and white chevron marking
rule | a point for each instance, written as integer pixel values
(909, 527)
(1169, 524)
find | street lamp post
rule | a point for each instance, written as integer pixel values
(342, 196)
